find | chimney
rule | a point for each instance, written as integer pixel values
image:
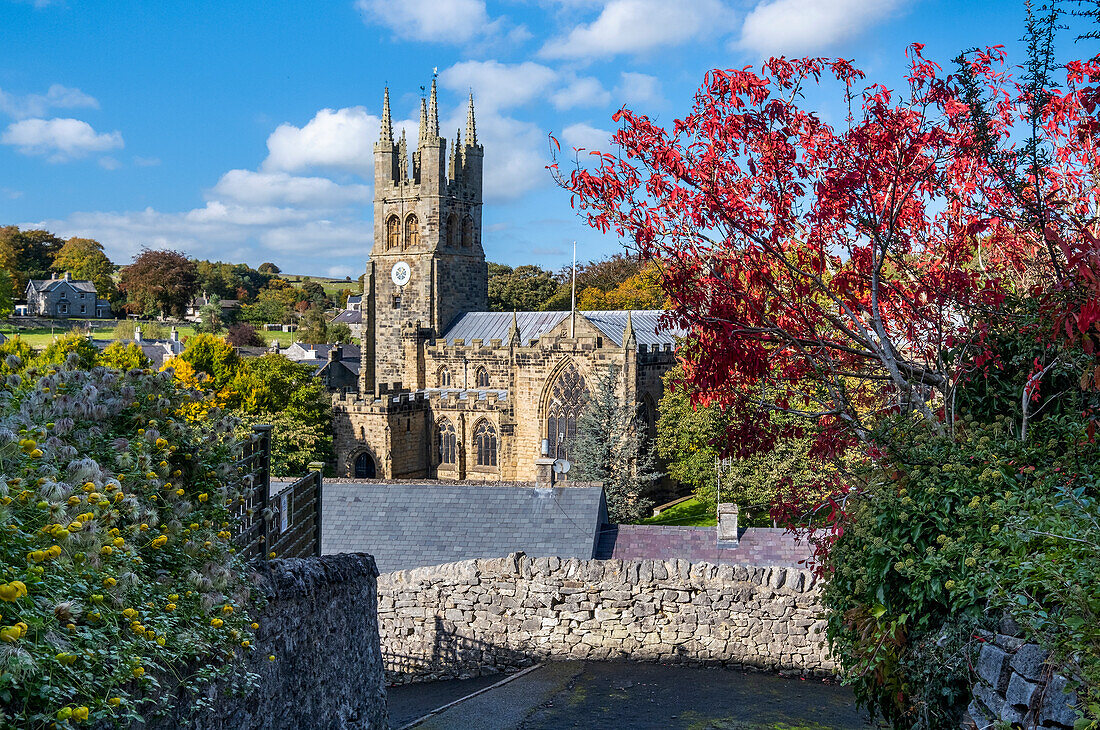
(137, 334)
(275, 347)
(68, 276)
(175, 336)
(334, 353)
(727, 522)
(53, 276)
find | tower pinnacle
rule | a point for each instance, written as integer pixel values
(387, 122)
(422, 135)
(433, 114)
(471, 129)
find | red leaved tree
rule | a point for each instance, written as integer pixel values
(840, 272)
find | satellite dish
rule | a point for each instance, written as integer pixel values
(561, 466)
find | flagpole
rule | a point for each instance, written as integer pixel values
(573, 298)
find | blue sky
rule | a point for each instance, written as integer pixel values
(242, 131)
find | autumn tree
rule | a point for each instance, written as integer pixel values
(28, 254)
(269, 268)
(524, 288)
(159, 282)
(639, 291)
(85, 259)
(243, 334)
(7, 293)
(124, 356)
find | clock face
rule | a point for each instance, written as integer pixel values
(401, 273)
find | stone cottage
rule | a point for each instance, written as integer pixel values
(65, 297)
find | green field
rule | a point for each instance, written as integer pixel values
(689, 513)
(40, 337)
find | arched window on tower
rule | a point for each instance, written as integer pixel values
(412, 232)
(393, 232)
(568, 395)
(468, 231)
(454, 230)
(481, 377)
(485, 443)
(444, 377)
(448, 443)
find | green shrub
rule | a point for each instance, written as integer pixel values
(948, 536)
(118, 579)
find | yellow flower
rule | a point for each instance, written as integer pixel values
(144, 527)
(12, 591)
(255, 626)
(64, 713)
(114, 701)
(204, 497)
(227, 609)
(170, 607)
(109, 582)
(216, 623)
(10, 634)
(271, 657)
(949, 585)
(161, 443)
(119, 542)
(179, 492)
(159, 542)
(129, 613)
(66, 659)
(150, 634)
(161, 641)
(246, 644)
(174, 597)
(138, 671)
(106, 550)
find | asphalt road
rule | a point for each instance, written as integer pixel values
(620, 695)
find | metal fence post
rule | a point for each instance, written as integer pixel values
(264, 487)
(317, 468)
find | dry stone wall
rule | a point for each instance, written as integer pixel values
(319, 623)
(483, 616)
(1015, 686)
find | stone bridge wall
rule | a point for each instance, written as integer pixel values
(483, 616)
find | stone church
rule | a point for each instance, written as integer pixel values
(448, 389)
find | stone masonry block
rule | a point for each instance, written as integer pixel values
(993, 667)
(1029, 661)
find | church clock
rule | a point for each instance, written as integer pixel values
(401, 273)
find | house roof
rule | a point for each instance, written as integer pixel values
(407, 525)
(300, 351)
(349, 316)
(486, 326)
(45, 285)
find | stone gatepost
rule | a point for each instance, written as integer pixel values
(727, 522)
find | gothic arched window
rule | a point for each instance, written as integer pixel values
(468, 231)
(448, 443)
(393, 232)
(481, 377)
(568, 395)
(454, 230)
(485, 443)
(444, 376)
(412, 232)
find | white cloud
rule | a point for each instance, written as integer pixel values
(636, 89)
(60, 139)
(581, 91)
(793, 27)
(341, 139)
(432, 21)
(279, 188)
(38, 105)
(585, 136)
(499, 85)
(636, 26)
(146, 161)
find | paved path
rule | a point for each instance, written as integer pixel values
(621, 695)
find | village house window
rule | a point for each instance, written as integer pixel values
(568, 395)
(485, 443)
(481, 377)
(393, 232)
(444, 377)
(397, 301)
(448, 443)
(412, 232)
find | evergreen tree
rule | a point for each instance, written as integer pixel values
(611, 447)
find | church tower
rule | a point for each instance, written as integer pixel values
(427, 265)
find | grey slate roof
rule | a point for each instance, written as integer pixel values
(349, 316)
(407, 525)
(648, 329)
(41, 285)
(487, 326)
